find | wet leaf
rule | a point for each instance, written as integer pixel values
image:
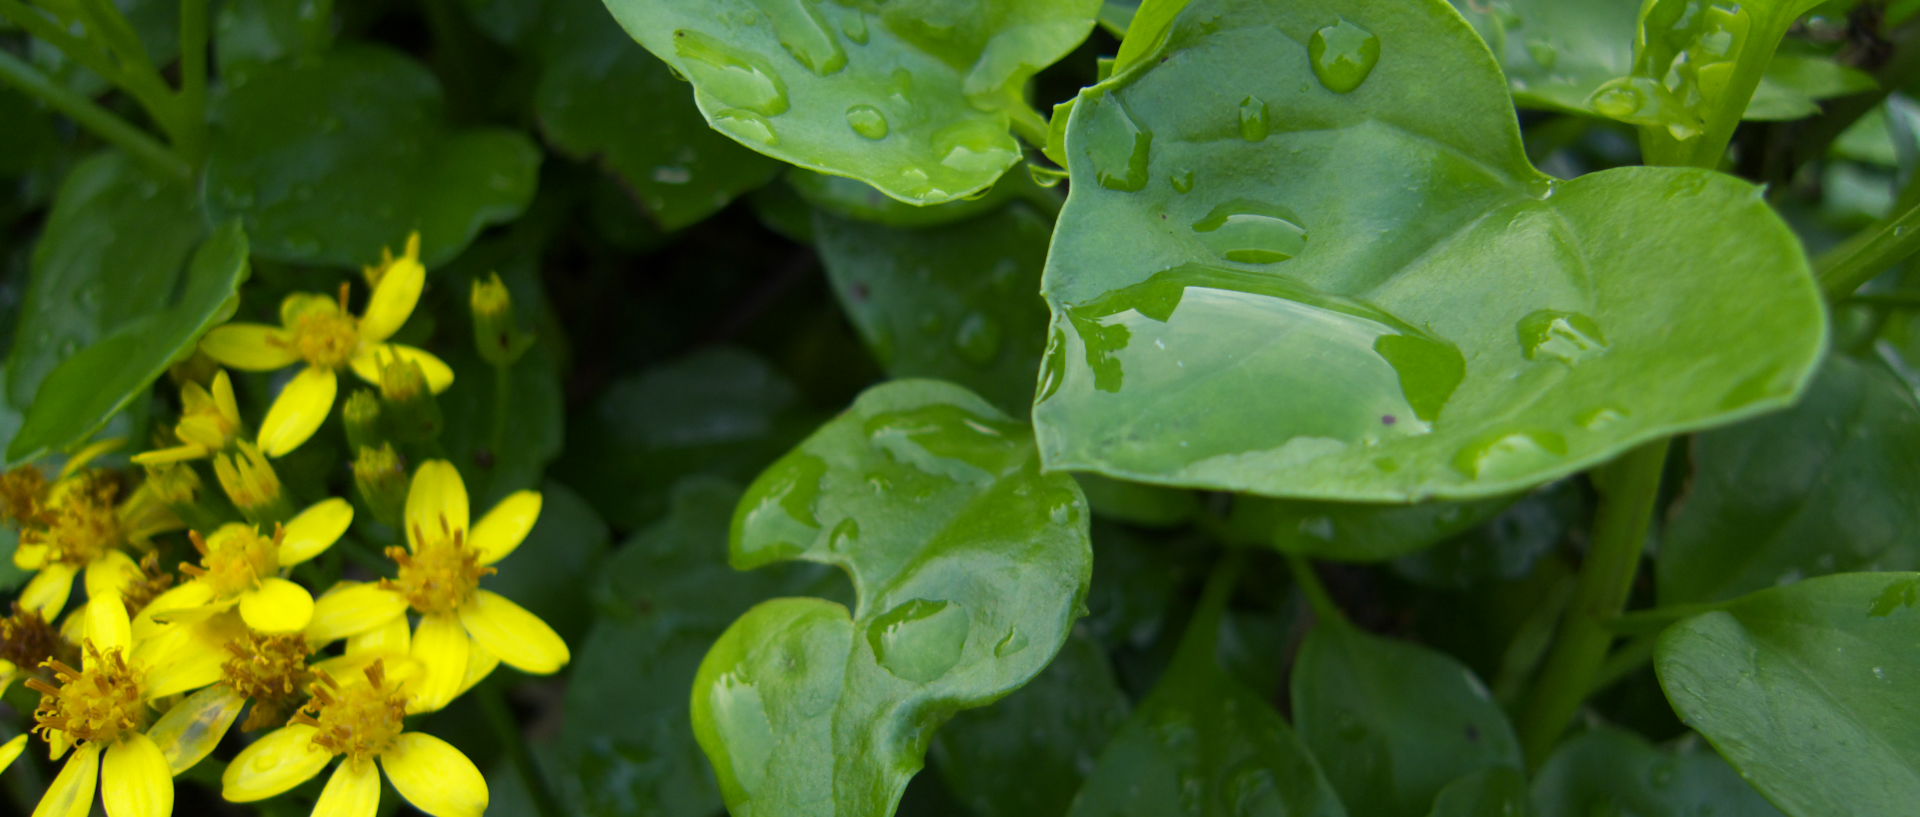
(1809, 690)
(970, 566)
(1343, 255)
(1613, 771)
(913, 98)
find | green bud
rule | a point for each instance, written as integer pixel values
(500, 341)
(381, 478)
(250, 481)
(407, 403)
(363, 417)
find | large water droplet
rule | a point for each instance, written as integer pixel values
(1014, 642)
(746, 125)
(1617, 101)
(867, 121)
(804, 32)
(1569, 337)
(854, 25)
(978, 338)
(1251, 232)
(946, 440)
(921, 639)
(1510, 454)
(1182, 182)
(779, 520)
(1601, 418)
(1119, 147)
(1053, 366)
(975, 147)
(845, 536)
(1253, 119)
(1543, 53)
(730, 75)
(1343, 54)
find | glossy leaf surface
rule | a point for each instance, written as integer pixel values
(910, 97)
(969, 566)
(327, 161)
(1810, 690)
(1613, 771)
(1392, 722)
(1341, 252)
(1825, 487)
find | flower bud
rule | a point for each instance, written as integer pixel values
(407, 401)
(381, 478)
(500, 341)
(250, 481)
(363, 417)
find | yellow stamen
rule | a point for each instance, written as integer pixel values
(441, 574)
(21, 492)
(235, 559)
(356, 720)
(153, 581)
(28, 641)
(324, 333)
(97, 705)
(268, 666)
(78, 523)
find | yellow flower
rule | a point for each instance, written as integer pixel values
(27, 640)
(209, 422)
(364, 720)
(80, 524)
(103, 710)
(440, 572)
(320, 331)
(240, 566)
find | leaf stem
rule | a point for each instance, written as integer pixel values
(100, 121)
(1030, 125)
(1316, 591)
(1629, 487)
(514, 742)
(1868, 253)
(1625, 661)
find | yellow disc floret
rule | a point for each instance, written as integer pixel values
(441, 574)
(353, 719)
(78, 523)
(96, 705)
(268, 666)
(324, 333)
(235, 558)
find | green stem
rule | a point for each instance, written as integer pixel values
(1529, 644)
(500, 719)
(1868, 253)
(502, 402)
(193, 78)
(1629, 487)
(1625, 661)
(75, 48)
(1317, 596)
(1652, 621)
(100, 121)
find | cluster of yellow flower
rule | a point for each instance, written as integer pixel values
(144, 680)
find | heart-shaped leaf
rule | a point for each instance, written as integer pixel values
(1810, 690)
(329, 160)
(912, 97)
(1305, 255)
(1613, 771)
(970, 566)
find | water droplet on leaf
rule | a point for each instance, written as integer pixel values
(919, 640)
(1343, 54)
(1253, 119)
(1251, 232)
(730, 75)
(867, 121)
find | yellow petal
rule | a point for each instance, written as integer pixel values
(351, 608)
(47, 593)
(518, 637)
(10, 751)
(299, 410)
(285, 758)
(29, 556)
(315, 530)
(367, 360)
(86, 455)
(223, 401)
(435, 777)
(480, 664)
(436, 501)
(107, 624)
(393, 300)
(505, 527)
(178, 453)
(392, 638)
(352, 791)
(255, 347)
(71, 794)
(185, 658)
(194, 726)
(111, 574)
(440, 645)
(277, 606)
(179, 597)
(135, 780)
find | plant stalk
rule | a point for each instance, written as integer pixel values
(1317, 596)
(1629, 487)
(100, 121)
(1868, 253)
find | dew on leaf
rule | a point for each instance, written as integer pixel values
(1502, 455)
(746, 125)
(1253, 119)
(803, 31)
(1569, 337)
(974, 147)
(867, 121)
(1251, 232)
(919, 640)
(730, 75)
(1343, 54)
(854, 25)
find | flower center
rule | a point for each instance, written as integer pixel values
(235, 558)
(268, 666)
(21, 492)
(78, 524)
(441, 575)
(202, 422)
(95, 705)
(324, 332)
(356, 720)
(27, 640)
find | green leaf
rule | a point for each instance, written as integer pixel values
(970, 567)
(112, 251)
(1367, 287)
(1496, 791)
(1613, 771)
(1203, 745)
(87, 389)
(602, 97)
(626, 746)
(1808, 691)
(1352, 532)
(1504, 548)
(1392, 722)
(955, 302)
(858, 200)
(330, 160)
(248, 33)
(912, 98)
(1794, 84)
(1146, 30)
(1028, 753)
(1825, 487)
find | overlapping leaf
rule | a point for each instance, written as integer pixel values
(1613, 771)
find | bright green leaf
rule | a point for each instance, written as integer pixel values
(330, 160)
(1365, 292)
(1495, 792)
(1392, 722)
(970, 566)
(1613, 771)
(1808, 690)
(957, 302)
(1825, 487)
(912, 98)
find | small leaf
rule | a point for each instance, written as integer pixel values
(1342, 254)
(970, 567)
(1392, 722)
(1824, 487)
(1613, 771)
(330, 160)
(1807, 692)
(912, 98)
